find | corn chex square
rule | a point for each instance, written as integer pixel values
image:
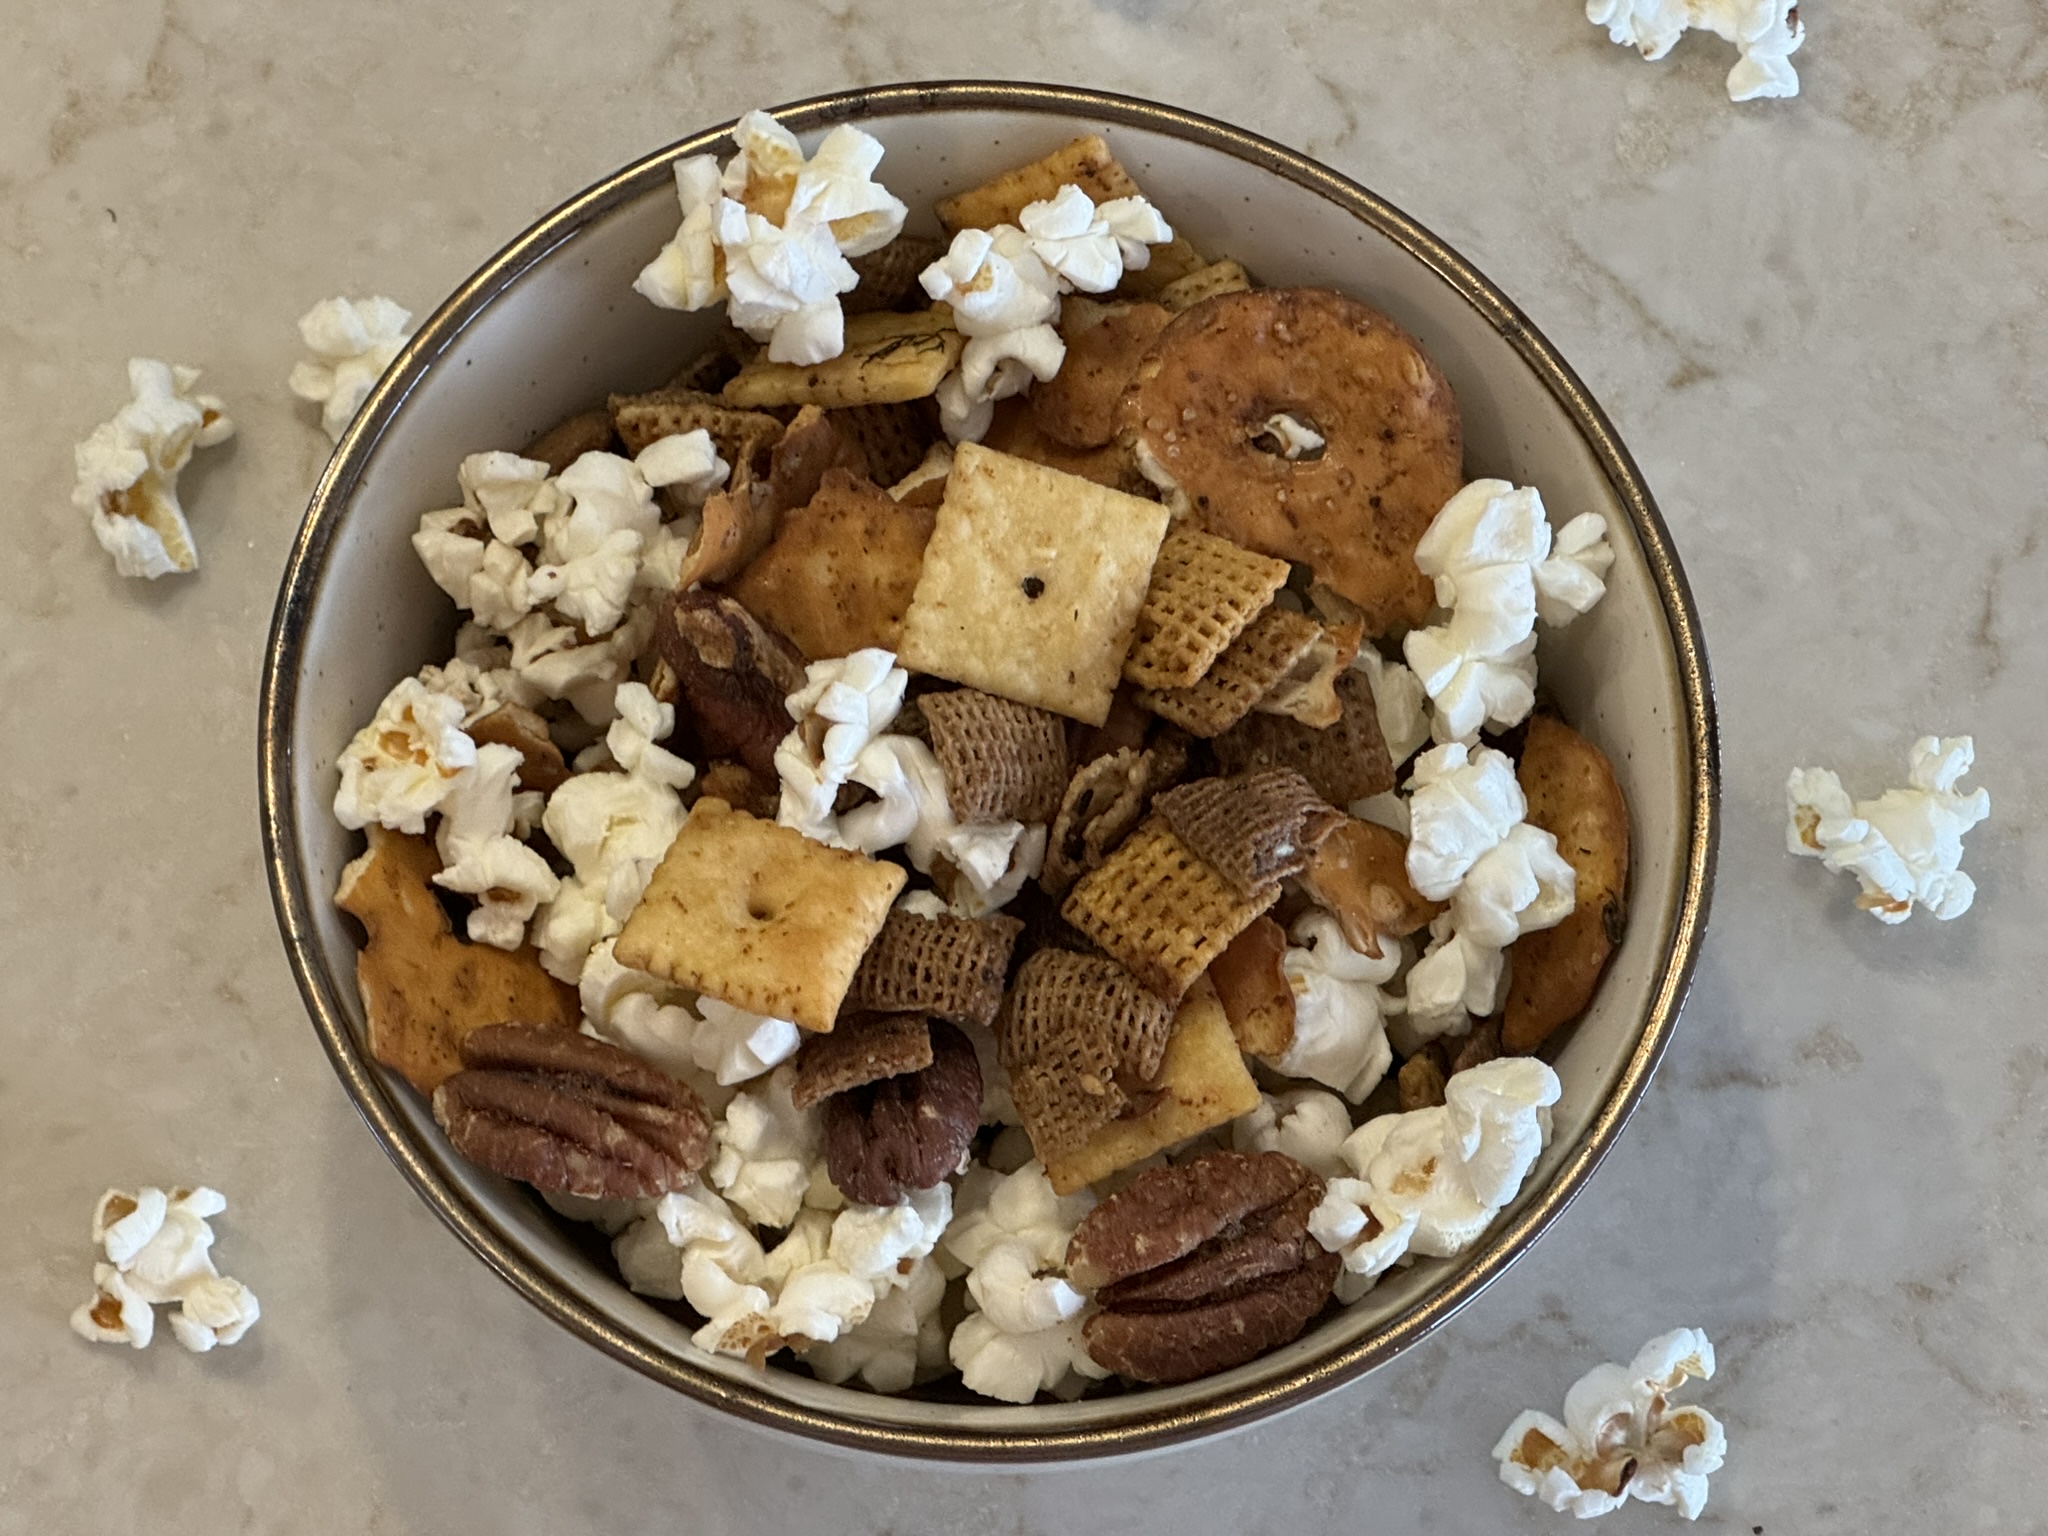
(759, 916)
(1032, 584)
(1203, 592)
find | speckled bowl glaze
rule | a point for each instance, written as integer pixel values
(551, 322)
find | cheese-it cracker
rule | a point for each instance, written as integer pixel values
(1202, 1084)
(759, 916)
(1032, 584)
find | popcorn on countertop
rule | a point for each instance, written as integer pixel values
(770, 234)
(128, 469)
(1490, 552)
(1431, 1181)
(1004, 286)
(1766, 32)
(405, 762)
(158, 1250)
(352, 341)
(1306, 1124)
(1621, 1437)
(1905, 847)
(1340, 1037)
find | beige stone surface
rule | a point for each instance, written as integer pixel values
(1818, 323)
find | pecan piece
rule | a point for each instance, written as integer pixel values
(563, 1112)
(732, 673)
(1203, 1266)
(906, 1132)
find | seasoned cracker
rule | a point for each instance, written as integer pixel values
(424, 989)
(1253, 830)
(1345, 762)
(1202, 1083)
(1032, 584)
(864, 1049)
(948, 967)
(1156, 906)
(1203, 592)
(887, 357)
(759, 916)
(1004, 761)
(1270, 647)
(839, 573)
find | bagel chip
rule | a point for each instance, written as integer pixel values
(1032, 584)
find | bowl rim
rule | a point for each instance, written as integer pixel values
(1147, 1428)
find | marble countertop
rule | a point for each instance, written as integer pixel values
(1819, 324)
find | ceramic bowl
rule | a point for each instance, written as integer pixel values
(551, 322)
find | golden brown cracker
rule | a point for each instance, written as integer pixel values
(839, 574)
(423, 988)
(759, 916)
(887, 357)
(1031, 585)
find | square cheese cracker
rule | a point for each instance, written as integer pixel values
(759, 916)
(1032, 584)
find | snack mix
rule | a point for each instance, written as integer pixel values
(998, 824)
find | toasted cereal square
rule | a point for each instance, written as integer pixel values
(1225, 276)
(1084, 162)
(1202, 1083)
(759, 916)
(1032, 583)
(1203, 592)
(1158, 908)
(1271, 647)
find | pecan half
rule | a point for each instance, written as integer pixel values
(906, 1132)
(1203, 1266)
(563, 1112)
(732, 673)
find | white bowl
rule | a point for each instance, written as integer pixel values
(551, 324)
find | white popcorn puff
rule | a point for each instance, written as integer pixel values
(1005, 301)
(1765, 32)
(880, 1243)
(1520, 885)
(510, 493)
(736, 1046)
(478, 676)
(687, 461)
(404, 763)
(352, 341)
(685, 274)
(1071, 237)
(128, 469)
(633, 740)
(1461, 804)
(1622, 1437)
(902, 1342)
(1340, 1037)
(158, 1249)
(1011, 1233)
(481, 857)
(1489, 552)
(613, 828)
(845, 703)
(1905, 848)
(837, 187)
(1306, 1124)
(587, 676)
(654, 1019)
(591, 555)
(768, 1152)
(783, 283)
(1399, 703)
(1431, 1181)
